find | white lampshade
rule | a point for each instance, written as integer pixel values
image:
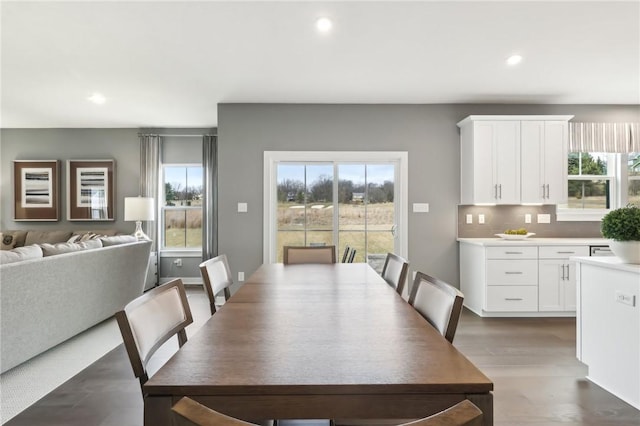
(138, 208)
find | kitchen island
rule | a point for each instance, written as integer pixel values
(608, 324)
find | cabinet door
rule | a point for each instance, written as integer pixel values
(483, 176)
(507, 161)
(551, 289)
(555, 161)
(533, 151)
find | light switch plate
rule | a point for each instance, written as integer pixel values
(242, 207)
(544, 218)
(240, 276)
(626, 298)
(469, 218)
(421, 207)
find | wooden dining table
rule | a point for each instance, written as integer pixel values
(317, 341)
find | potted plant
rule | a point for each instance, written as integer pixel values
(622, 228)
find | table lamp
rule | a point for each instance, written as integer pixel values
(138, 209)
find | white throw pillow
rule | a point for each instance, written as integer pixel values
(19, 254)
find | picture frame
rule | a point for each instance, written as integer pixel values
(91, 190)
(36, 190)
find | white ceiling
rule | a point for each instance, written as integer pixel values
(168, 64)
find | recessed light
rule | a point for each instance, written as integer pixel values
(97, 98)
(324, 25)
(514, 60)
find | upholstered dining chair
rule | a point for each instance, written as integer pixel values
(395, 271)
(216, 278)
(150, 320)
(313, 254)
(438, 302)
(187, 412)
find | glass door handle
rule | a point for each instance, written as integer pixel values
(393, 229)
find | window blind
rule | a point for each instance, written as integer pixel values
(604, 137)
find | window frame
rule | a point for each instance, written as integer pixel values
(175, 251)
(617, 174)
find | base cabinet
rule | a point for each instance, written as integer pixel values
(511, 280)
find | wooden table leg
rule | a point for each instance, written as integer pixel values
(484, 401)
(157, 411)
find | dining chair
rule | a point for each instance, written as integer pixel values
(301, 254)
(394, 271)
(150, 320)
(216, 278)
(438, 302)
(345, 255)
(187, 412)
(352, 256)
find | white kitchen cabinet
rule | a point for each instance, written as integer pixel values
(557, 277)
(490, 162)
(544, 147)
(520, 278)
(513, 159)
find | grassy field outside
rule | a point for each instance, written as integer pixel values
(354, 219)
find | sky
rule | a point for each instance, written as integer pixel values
(178, 175)
(375, 173)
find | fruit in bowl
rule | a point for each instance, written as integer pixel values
(520, 231)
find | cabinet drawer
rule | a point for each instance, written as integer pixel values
(512, 252)
(512, 299)
(562, 252)
(512, 272)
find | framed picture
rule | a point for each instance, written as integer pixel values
(91, 190)
(36, 190)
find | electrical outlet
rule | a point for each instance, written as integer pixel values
(421, 207)
(527, 218)
(178, 263)
(240, 276)
(242, 207)
(481, 219)
(544, 218)
(469, 218)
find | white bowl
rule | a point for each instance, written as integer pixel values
(515, 236)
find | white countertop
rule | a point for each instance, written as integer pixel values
(535, 241)
(610, 262)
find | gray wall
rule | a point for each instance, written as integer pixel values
(427, 132)
(67, 144)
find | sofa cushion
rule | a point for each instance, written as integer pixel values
(59, 248)
(117, 239)
(20, 253)
(13, 239)
(51, 237)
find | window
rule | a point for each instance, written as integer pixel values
(598, 182)
(182, 208)
(340, 198)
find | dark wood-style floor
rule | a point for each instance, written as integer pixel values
(538, 381)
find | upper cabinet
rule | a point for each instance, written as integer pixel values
(513, 159)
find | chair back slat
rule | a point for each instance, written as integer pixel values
(150, 320)
(316, 254)
(438, 302)
(395, 271)
(216, 278)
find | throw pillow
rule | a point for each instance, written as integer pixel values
(19, 254)
(60, 248)
(51, 237)
(117, 239)
(13, 239)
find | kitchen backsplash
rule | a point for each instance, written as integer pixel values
(499, 218)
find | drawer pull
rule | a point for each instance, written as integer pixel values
(513, 298)
(513, 252)
(565, 252)
(513, 273)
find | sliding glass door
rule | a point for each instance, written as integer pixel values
(333, 202)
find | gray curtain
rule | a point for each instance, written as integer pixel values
(210, 192)
(604, 137)
(150, 157)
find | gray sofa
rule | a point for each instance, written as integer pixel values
(46, 301)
